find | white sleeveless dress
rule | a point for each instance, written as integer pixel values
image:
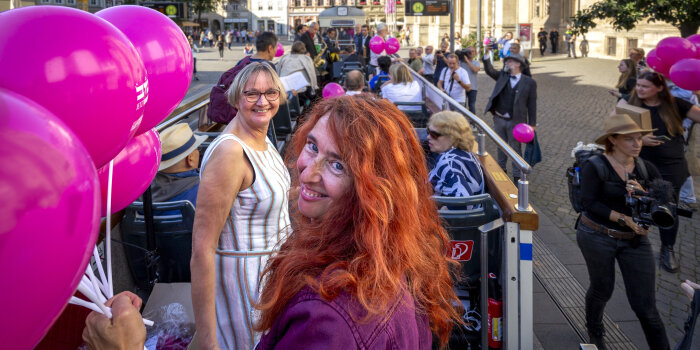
(256, 223)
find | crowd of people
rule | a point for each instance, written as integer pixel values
(343, 231)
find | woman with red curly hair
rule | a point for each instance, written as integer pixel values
(365, 266)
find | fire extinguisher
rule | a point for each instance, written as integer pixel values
(495, 317)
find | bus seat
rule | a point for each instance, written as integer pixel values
(172, 223)
(465, 238)
(418, 118)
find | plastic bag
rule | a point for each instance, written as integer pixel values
(174, 332)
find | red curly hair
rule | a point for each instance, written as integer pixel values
(385, 235)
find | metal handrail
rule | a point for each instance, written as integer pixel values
(523, 200)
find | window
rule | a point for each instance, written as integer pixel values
(612, 46)
(631, 44)
(45, 1)
(297, 3)
(269, 6)
(70, 2)
(261, 26)
(271, 26)
(58, 2)
(92, 2)
(537, 8)
(234, 7)
(319, 2)
(260, 6)
(308, 3)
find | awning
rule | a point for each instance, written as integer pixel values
(189, 24)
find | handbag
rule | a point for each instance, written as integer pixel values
(533, 153)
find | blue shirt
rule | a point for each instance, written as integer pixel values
(373, 81)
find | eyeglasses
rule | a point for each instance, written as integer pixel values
(434, 134)
(253, 95)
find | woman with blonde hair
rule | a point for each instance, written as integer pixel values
(627, 80)
(365, 266)
(457, 171)
(242, 213)
(402, 88)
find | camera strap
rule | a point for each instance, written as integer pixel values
(639, 164)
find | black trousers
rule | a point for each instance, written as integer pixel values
(543, 47)
(638, 268)
(554, 46)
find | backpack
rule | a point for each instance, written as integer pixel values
(595, 156)
(220, 111)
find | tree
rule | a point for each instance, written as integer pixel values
(200, 6)
(624, 14)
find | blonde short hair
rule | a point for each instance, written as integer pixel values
(400, 74)
(455, 126)
(234, 92)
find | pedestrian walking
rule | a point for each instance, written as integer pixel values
(584, 47)
(195, 49)
(554, 39)
(513, 101)
(429, 63)
(542, 38)
(665, 148)
(220, 46)
(228, 39)
(606, 231)
(570, 38)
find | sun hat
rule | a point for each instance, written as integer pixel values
(177, 142)
(620, 124)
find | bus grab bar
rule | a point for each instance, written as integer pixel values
(523, 200)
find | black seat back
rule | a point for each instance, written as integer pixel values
(282, 121)
(465, 237)
(172, 223)
(419, 118)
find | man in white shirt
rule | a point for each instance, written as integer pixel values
(454, 80)
(383, 32)
(354, 83)
(429, 63)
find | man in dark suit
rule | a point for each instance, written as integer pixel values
(362, 43)
(513, 101)
(308, 39)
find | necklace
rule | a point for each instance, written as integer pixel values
(624, 167)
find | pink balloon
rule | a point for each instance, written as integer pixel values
(523, 133)
(332, 90)
(695, 39)
(686, 74)
(94, 84)
(656, 63)
(392, 46)
(280, 50)
(673, 49)
(48, 221)
(376, 44)
(165, 53)
(134, 169)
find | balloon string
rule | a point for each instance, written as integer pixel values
(108, 233)
(103, 279)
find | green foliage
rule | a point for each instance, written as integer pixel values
(203, 6)
(625, 14)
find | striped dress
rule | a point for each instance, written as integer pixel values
(256, 223)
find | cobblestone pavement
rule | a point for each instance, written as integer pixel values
(572, 102)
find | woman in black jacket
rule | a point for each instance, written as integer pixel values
(665, 148)
(607, 232)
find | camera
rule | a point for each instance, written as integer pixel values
(652, 207)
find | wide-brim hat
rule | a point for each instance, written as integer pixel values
(516, 57)
(620, 124)
(177, 142)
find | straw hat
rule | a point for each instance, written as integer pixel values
(177, 142)
(620, 124)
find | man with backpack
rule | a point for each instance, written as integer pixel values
(220, 111)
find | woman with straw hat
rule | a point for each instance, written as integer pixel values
(606, 231)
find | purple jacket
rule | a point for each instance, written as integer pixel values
(309, 322)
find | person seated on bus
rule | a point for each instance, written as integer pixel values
(298, 61)
(457, 171)
(402, 88)
(178, 173)
(352, 55)
(354, 83)
(382, 71)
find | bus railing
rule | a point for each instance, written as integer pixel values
(441, 99)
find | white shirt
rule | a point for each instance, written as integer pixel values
(515, 81)
(403, 92)
(453, 88)
(352, 93)
(373, 57)
(428, 67)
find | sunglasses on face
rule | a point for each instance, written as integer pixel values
(434, 134)
(254, 96)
